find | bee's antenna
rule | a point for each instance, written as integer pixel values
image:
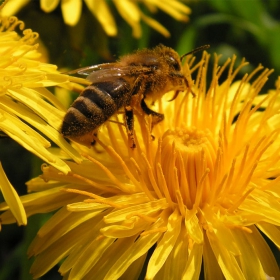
(201, 48)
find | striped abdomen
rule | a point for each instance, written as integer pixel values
(94, 106)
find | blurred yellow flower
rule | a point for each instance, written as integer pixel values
(129, 9)
(23, 106)
(12, 199)
(203, 188)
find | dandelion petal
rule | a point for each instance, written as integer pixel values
(12, 198)
(71, 11)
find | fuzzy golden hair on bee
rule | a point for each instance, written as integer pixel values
(146, 73)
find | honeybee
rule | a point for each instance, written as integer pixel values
(144, 73)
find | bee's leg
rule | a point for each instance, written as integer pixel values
(93, 143)
(157, 117)
(138, 86)
(129, 123)
(129, 118)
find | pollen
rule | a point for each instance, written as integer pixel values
(189, 152)
(189, 140)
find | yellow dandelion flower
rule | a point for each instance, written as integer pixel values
(197, 195)
(128, 9)
(12, 199)
(23, 107)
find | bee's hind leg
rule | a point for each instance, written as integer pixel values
(93, 143)
(129, 123)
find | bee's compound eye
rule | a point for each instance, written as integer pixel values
(174, 63)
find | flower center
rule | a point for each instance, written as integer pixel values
(187, 140)
(187, 158)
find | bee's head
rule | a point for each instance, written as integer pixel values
(174, 63)
(171, 67)
(177, 78)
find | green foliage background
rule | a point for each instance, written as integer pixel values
(247, 28)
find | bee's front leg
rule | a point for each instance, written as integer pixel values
(129, 123)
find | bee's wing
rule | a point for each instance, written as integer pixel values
(89, 69)
(106, 74)
(108, 71)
